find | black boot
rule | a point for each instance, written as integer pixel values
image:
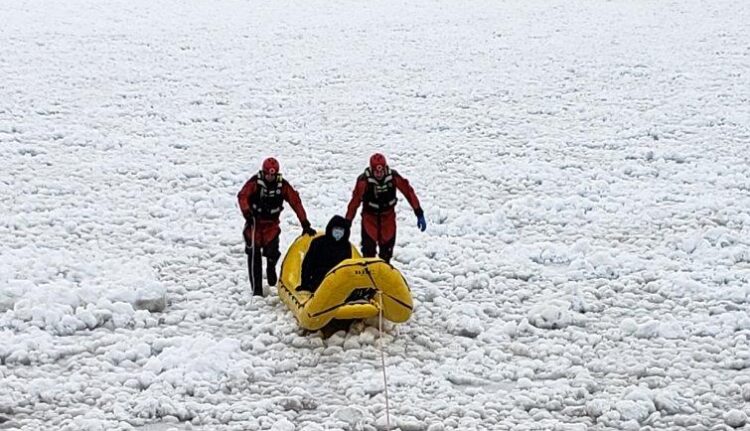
(271, 276)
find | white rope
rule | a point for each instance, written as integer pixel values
(382, 362)
(252, 260)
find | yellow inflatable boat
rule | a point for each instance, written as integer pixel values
(353, 289)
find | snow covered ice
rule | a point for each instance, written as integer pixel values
(583, 168)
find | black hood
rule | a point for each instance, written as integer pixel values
(338, 221)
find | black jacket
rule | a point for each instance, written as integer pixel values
(325, 253)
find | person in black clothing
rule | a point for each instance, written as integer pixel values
(325, 252)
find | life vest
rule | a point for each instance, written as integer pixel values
(267, 202)
(380, 195)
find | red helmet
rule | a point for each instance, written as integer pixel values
(270, 166)
(376, 160)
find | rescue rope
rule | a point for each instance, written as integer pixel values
(382, 362)
(252, 261)
(380, 347)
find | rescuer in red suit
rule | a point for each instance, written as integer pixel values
(261, 201)
(376, 192)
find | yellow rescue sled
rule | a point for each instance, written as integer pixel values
(353, 289)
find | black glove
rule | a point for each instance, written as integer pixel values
(249, 219)
(306, 229)
(348, 223)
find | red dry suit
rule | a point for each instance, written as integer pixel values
(264, 201)
(378, 199)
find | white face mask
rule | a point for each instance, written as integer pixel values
(338, 233)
